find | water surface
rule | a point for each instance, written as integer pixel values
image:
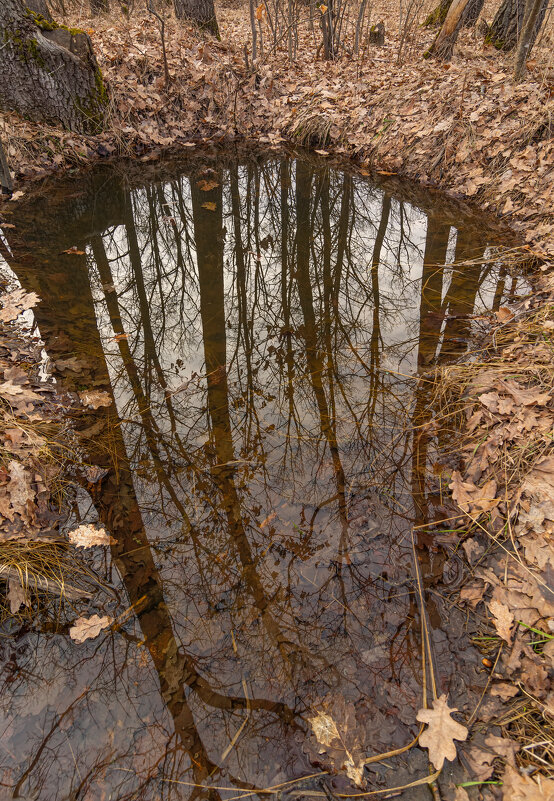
(257, 325)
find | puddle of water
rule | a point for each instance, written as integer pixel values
(257, 327)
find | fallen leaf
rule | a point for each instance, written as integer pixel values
(209, 205)
(522, 788)
(504, 690)
(87, 628)
(503, 620)
(74, 251)
(441, 732)
(19, 488)
(95, 398)
(86, 536)
(13, 303)
(16, 594)
(473, 499)
(504, 315)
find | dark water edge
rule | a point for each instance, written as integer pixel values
(257, 325)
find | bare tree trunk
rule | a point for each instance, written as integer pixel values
(527, 37)
(508, 24)
(48, 73)
(202, 12)
(472, 13)
(445, 40)
(97, 6)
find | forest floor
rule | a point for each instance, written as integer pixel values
(463, 127)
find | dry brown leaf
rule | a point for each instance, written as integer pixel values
(504, 747)
(472, 499)
(504, 315)
(504, 690)
(527, 397)
(19, 488)
(74, 251)
(209, 205)
(441, 732)
(13, 303)
(522, 788)
(503, 620)
(95, 398)
(86, 628)
(86, 536)
(16, 594)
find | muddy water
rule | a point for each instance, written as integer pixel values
(255, 327)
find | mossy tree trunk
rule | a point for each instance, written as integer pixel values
(471, 14)
(202, 12)
(508, 24)
(443, 46)
(47, 72)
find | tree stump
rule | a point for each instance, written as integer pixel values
(48, 73)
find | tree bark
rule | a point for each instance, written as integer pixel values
(48, 73)
(97, 6)
(445, 40)
(472, 13)
(438, 15)
(527, 38)
(508, 24)
(202, 12)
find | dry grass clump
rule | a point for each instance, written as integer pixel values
(531, 723)
(37, 572)
(311, 128)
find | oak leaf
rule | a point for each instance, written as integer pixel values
(523, 788)
(86, 536)
(95, 398)
(441, 732)
(16, 302)
(87, 628)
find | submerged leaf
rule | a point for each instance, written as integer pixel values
(337, 730)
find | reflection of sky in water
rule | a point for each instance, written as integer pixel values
(336, 613)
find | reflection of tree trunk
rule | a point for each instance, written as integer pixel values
(459, 301)
(376, 343)
(313, 358)
(430, 320)
(208, 232)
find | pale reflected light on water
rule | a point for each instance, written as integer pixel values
(258, 326)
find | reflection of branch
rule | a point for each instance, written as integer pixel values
(44, 743)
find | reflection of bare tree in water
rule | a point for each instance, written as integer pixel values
(236, 502)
